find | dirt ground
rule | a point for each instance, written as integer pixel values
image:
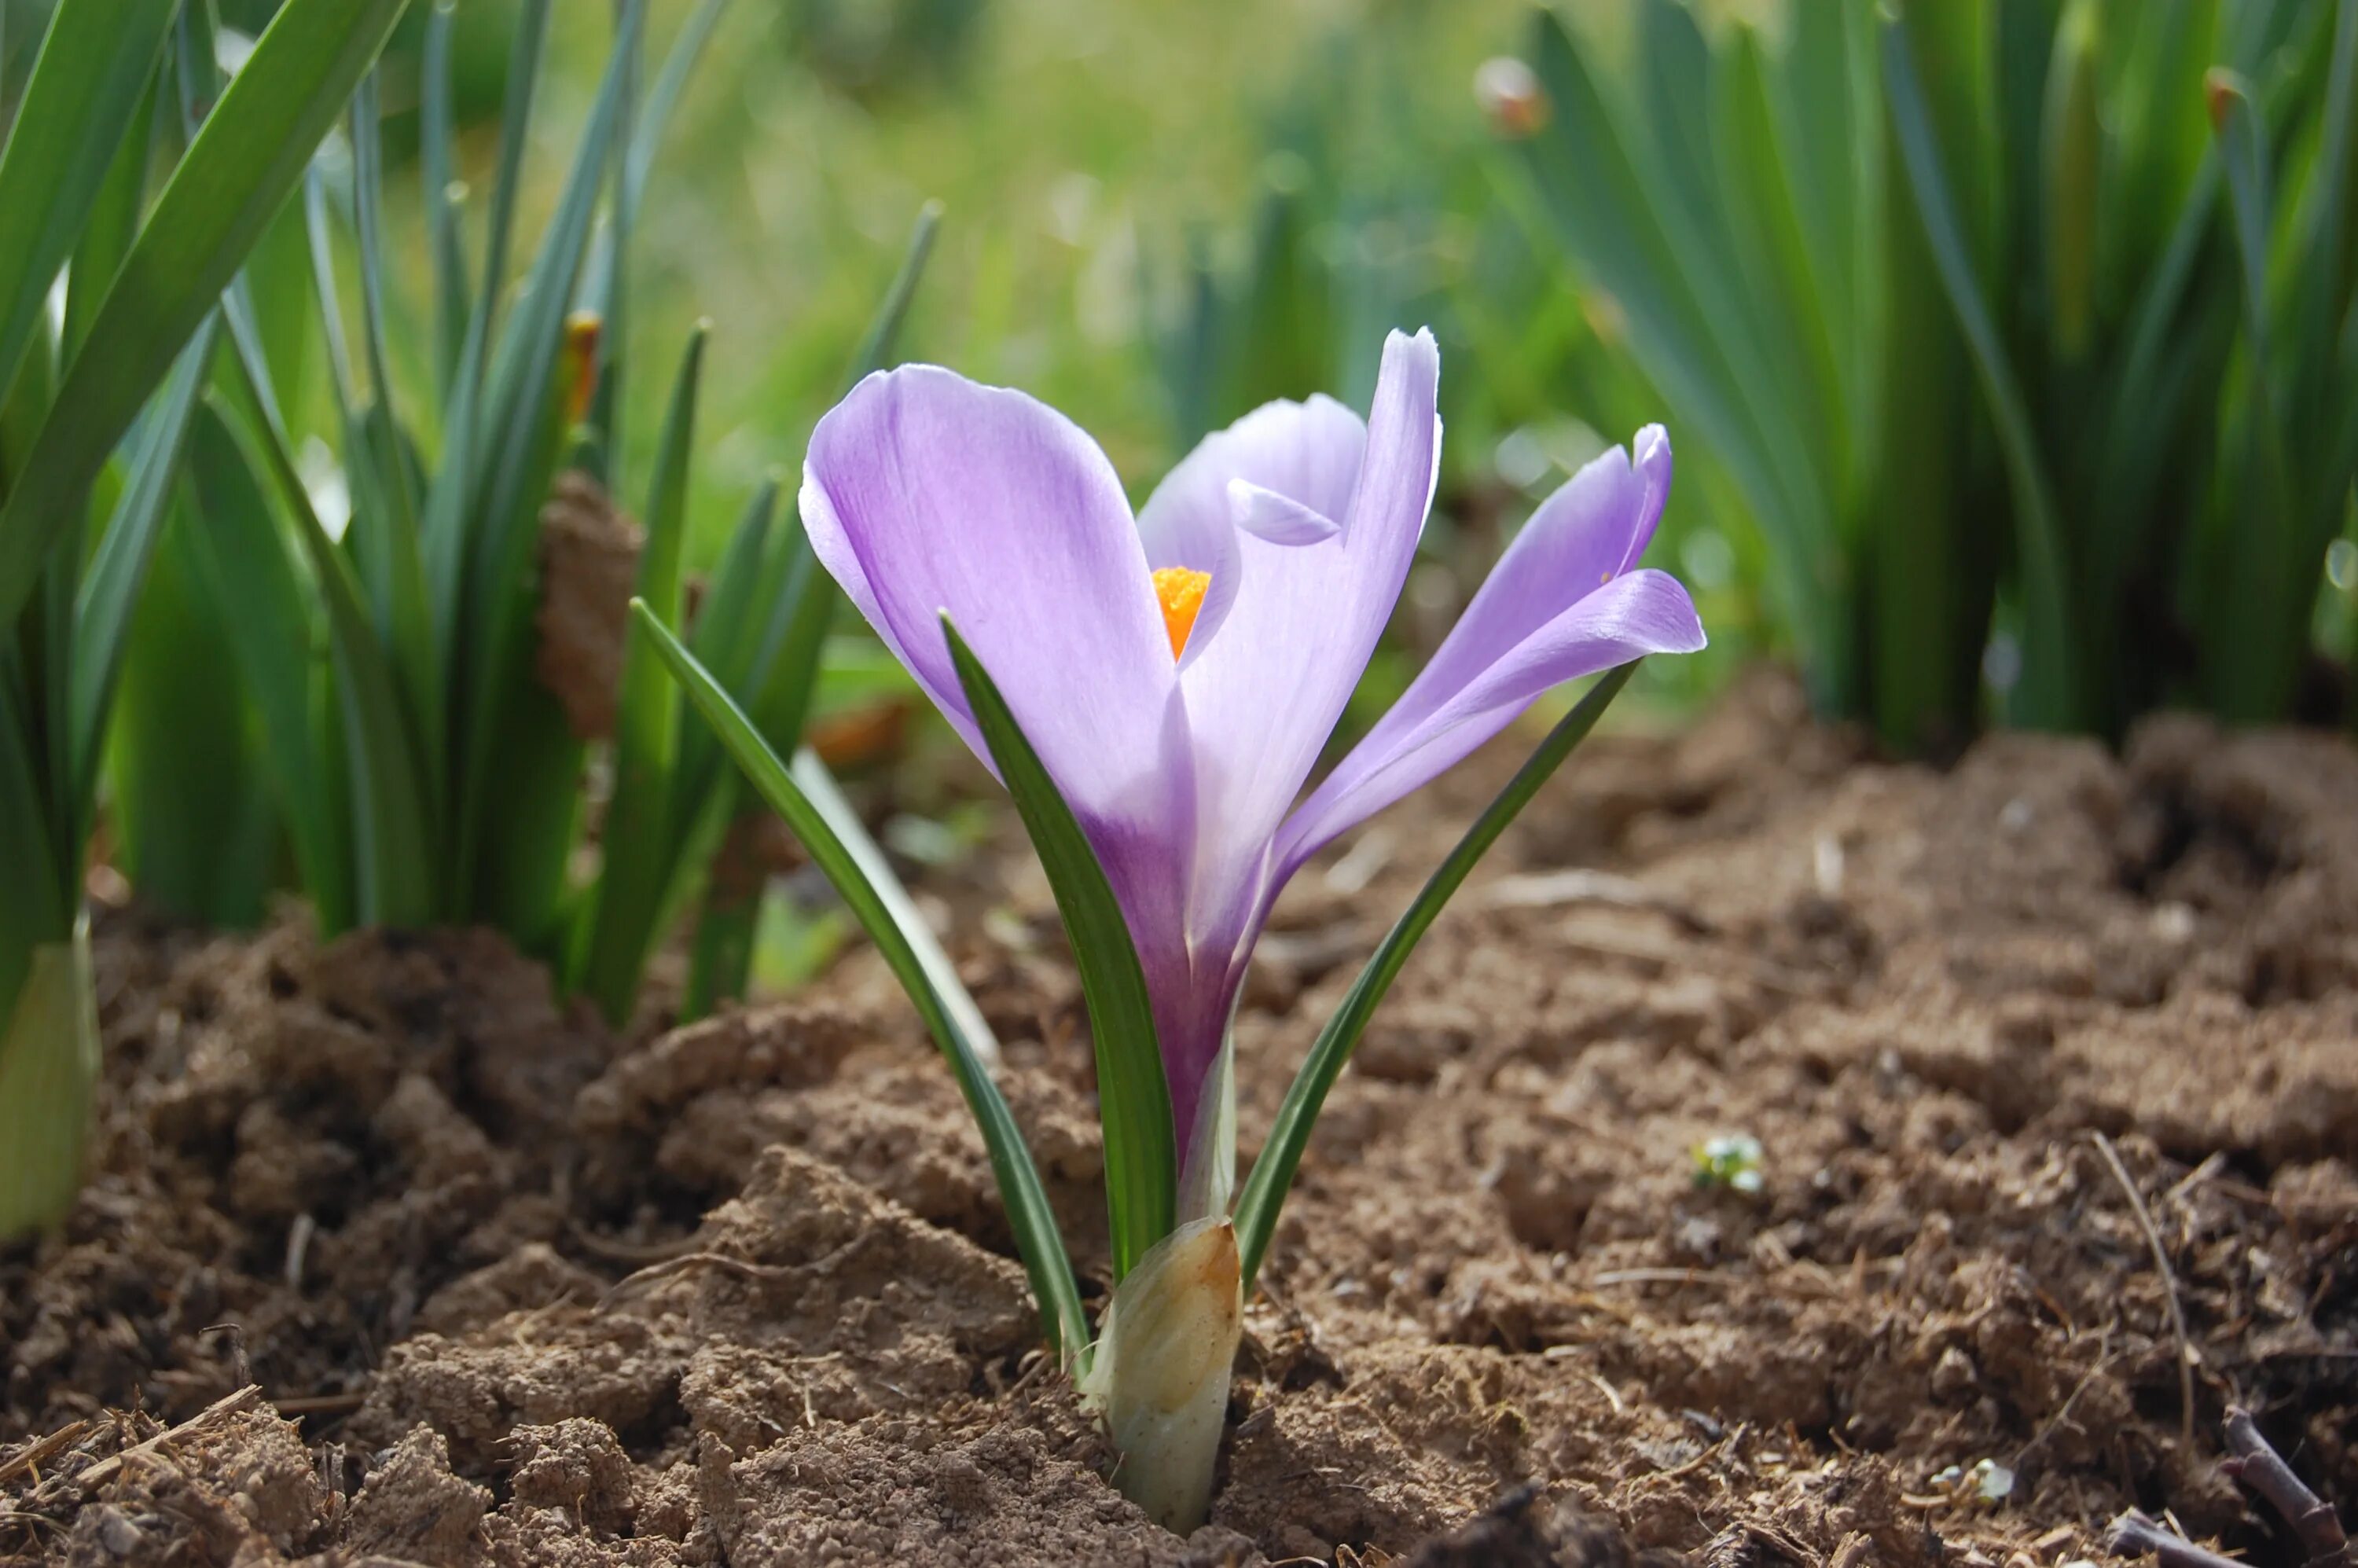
(516, 1291)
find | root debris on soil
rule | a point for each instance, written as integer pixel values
(2051, 1058)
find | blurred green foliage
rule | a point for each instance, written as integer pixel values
(2021, 330)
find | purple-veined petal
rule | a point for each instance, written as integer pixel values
(1562, 602)
(925, 493)
(1265, 691)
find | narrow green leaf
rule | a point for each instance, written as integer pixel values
(2264, 617)
(449, 501)
(2071, 162)
(243, 162)
(671, 81)
(608, 289)
(2047, 696)
(1263, 1194)
(391, 801)
(113, 224)
(49, 1073)
(191, 811)
(2325, 279)
(111, 585)
(637, 871)
(81, 102)
(1133, 1101)
(437, 170)
(245, 571)
(518, 437)
(780, 668)
(37, 908)
(857, 869)
(393, 482)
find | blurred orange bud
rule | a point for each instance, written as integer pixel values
(1512, 97)
(581, 333)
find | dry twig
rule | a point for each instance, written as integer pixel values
(2256, 1464)
(2169, 1283)
(40, 1451)
(106, 1470)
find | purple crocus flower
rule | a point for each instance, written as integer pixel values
(1178, 673)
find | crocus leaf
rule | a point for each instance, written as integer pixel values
(39, 907)
(516, 423)
(782, 666)
(1134, 1102)
(631, 886)
(113, 225)
(437, 170)
(111, 585)
(446, 501)
(2264, 624)
(2325, 282)
(857, 869)
(82, 99)
(49, 1071)
(646, 135)
(393, 806)
(248, 155)
(245, 568)
(2071, 160)
(1263, 1194)
(2047, 696)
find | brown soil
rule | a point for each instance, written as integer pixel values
(741, 1292)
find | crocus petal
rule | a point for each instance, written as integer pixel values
(1278, 519)
(1561, 603)
(1305, 453)
(925, 493)
(1266, 691)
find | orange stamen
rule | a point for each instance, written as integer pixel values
(1180, 590)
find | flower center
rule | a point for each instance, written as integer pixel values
(1180, 592)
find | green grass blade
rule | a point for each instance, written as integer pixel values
(2047, 695)
(1263, 1192)
(1141, 1156)
(111, 585)
(856, 868)
(637, 869)
(81, 99)
(241, 166)
(245, 571)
